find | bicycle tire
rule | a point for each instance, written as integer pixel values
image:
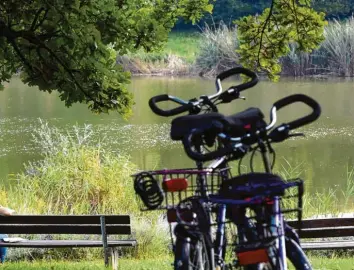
(192, 255)
(296, 255)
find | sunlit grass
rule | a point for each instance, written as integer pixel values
(176, 57)
(77, 176)
(184, 45)
(328, 202)
(164, 263)
(126, 264)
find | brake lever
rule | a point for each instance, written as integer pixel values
(236, 93)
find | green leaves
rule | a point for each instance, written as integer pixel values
(266, 38)
(71, 45)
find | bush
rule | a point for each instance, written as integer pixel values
(339, 46)
(335, 56)
(77, 176)
(217, 49)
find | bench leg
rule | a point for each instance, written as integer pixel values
(115, 257)
(104, 240)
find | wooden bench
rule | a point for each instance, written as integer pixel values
(84, 225)
(326, 229)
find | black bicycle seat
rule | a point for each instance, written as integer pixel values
(252, 184)
(234, 125)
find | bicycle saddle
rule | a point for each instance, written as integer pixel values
(235, 125)
(252, 184)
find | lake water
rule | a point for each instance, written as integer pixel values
(323, 157)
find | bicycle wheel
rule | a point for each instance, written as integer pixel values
(296, 255)
(192, 254)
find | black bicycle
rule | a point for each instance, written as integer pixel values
(164, 189)
(167, 188)
(251, 201)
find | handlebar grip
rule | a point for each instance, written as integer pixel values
(235, 71)
(187, 143)
(228, 96)
(154, 100)
(316, 109)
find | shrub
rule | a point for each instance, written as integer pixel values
(77, 176)
(339, 46)
(217, 49)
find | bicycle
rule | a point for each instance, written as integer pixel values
(242, 195)
(146, 182)
(193, 107)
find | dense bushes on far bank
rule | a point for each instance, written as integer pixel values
(214, 50)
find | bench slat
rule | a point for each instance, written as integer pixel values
(327, 245)
(63, 229)
(68, 243)
(327, 232)
(323, 223)
(51, 219)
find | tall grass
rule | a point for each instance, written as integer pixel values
(302, 63)
(157, 64)
(335, 56)
(217, 52)
(339, 46)
(214, 50)
(332, 201)
(77, 176)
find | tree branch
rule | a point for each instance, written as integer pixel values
(43, 19)
(34, 22)
(46, 36)
(69, 73)
(263, 31)
(12, 35)
(18, 51)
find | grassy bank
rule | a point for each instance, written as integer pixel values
(214, 49)
(184, 45)
(126, 264)
(322, 263)
(176, 58)
(77, 176)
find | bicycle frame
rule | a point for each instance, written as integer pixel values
(221, 216)
(276, 220)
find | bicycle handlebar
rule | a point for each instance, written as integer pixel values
(234, 91)
(239, 70)
(154, 100)
(276, 135)
(313, 116)
(192, 105)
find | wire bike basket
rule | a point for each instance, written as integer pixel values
(164, 189)
(251, 201)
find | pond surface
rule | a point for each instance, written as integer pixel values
(323, 157)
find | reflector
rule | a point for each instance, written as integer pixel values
(174, 184)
